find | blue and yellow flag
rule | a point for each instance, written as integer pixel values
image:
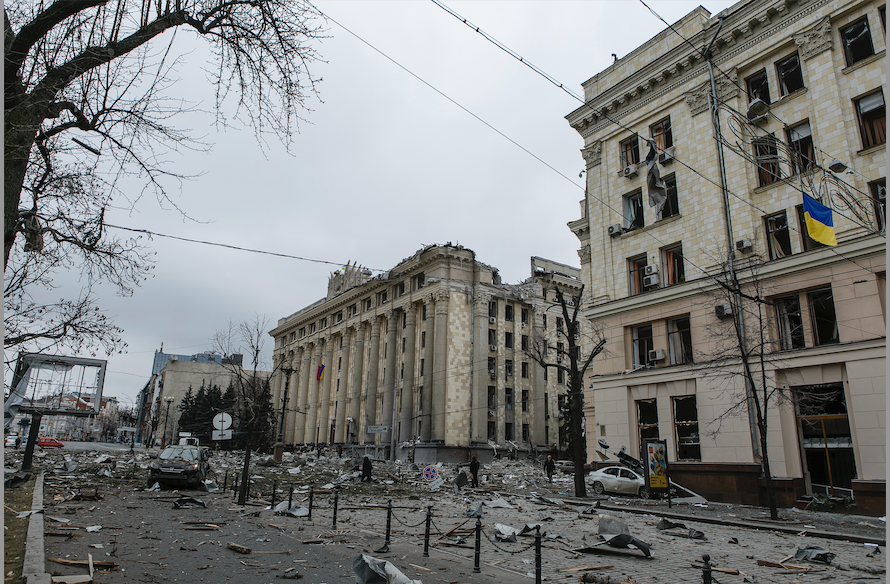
(320, 375)
(819, 223)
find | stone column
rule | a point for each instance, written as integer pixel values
(390, 375)
(340, 391)
(408, 382)
(440, 367)
(325, 395)
(312, 399)
(481, 379)
(426, 426)
(301, 398)
(355, 391)
(371, 391)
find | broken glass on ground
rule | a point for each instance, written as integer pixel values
(814, 553)
(615, 533)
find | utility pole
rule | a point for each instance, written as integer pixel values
(168, 400)
(279, 446)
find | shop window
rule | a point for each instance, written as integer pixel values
(630, 152)
(823, 316)
(671, 205)
(686, 428)
(633, 210)
(790, 75)
(878, 191)
(856, 41)
(524, 368)
(766, 154)
(672, 259)
(758, 87)
(637, 268)
(870, 112)
(642, 344)
(508, 340)
(826, 438)
(680, 340)
(778, 239)
(808, 242)
(508, 313)
(508, 399)
(661, 134)
(800, 139)
(790, 322)
(647, 417)
(525, 400)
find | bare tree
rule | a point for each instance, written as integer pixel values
(89, 100)
(565, 352)
(254, 413)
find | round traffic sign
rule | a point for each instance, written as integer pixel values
(222, 421)
(430, 473)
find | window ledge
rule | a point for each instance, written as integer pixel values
(792, 95)
(772, 185)
(871, 149)
(863, 62)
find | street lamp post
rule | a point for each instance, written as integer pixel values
(279, 446)
(168, 400)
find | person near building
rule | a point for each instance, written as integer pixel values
(549, 467)
(474, 472)
(366, 470)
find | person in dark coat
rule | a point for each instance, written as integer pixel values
(366, 470)
(474, 471)
(549, 467)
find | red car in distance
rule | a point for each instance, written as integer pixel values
(44, 442)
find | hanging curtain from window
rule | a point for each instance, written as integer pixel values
(669, 267)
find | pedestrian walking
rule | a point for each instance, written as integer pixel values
(549, 467)
(474, 472)
(366, 470)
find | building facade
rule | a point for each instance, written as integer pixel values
(799, 109)
(430, 354)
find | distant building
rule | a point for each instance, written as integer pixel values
(433, 349)
(801, 109)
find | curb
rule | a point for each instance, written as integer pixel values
(34, 565)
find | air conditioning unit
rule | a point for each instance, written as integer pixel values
(723, 310)
(490, 413)
(523, 325)
(650, 269)
(666, 156)
(559, 359)
(745, 245)
(615, 230)
(650, 281)
(630, 171)
(492, 319)
(492, 347)
(656, 355)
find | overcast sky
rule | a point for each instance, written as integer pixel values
(385, 165)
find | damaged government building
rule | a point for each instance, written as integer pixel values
(433, 350)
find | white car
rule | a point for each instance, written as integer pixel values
(618, 480)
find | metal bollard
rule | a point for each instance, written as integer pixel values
(388, 521)
(226, 481)
(334, 524)
(311, 494)
(274, 491)
(426, 535)
(476, 569)
(235, 486)
(290, 497)
(537, 554)
(706, 569)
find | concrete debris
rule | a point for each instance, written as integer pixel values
(294, 511)
(93, 528)
(210, 486)
(499, 504)
(615, 533)
(154, 488)
(370, 570)
(667, 524)
(814, 553)
(505, 533)
(477, 512)
(186, 502)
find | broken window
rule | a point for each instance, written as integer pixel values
(400, 289)
(492, 337)
(422, 339)
(790, 75)
(421, 367)
(870, 111)
(525, 433)
(637, 268)
(826, 438)
(508, 399)
(878, 191)
(778, 240)
(525, 400)
(790, 322)
(808, 242)
(492, 430)
(525, 316)
(423, 313)
(404, 342)
(493, 308)
(492, 398)
(674, 272)
(823, 315)
(647, 416)
(800, 139)
(633, 211)
(546, 406)
(686, 427)
(508, 313)
(508, 340)
(544, 321)
(661, 134)
(766, 154)
(680, 340)
(671, 205)
(560, 376)
(856, 41)
(508, 368)
(559, 323)
(419, 281)
(524, 342)
(630, 152)
(492, 367)
(524, 368)
(758, 87)
(508, 431)
(642, 344)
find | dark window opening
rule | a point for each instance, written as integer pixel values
(824, 317)
(493, 308)
(524, 341)
(508, 340)
(508, 368)
(492, 430)
(633, 211)
(492, 398)
(630, 152)
(661, 134)
(878, 191)
(508, 431)
(642, 344)
(674, 272)
(508, 313)
(872, 124)
(856, 41)
(525, 316)
(525, 433)
(826, 438)
(492, 366)
(508, 399)
(790, 75)
(671, 206)
(686, 426)
(758, 87)
(525, 400)
(777, 237)
(800, 139)
(766, 153)
(790, 323)
(524, 367)
(647, 416)
(637, 271)
(680, 340)
(492, 337)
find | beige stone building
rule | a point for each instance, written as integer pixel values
(431, 353)
(800, 108)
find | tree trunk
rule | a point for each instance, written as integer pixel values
(19, 139)
(770, 488)
(579, 447)
(245, 477)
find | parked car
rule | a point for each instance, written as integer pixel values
(10, 440)
(45, 442)
(180, 464)
(618, 480)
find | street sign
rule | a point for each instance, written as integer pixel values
(377, 429)
(437, 483)
(430, 473)
(222, 421)
(221, 435)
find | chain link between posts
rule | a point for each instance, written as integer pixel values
(491, 541)
(406, 525)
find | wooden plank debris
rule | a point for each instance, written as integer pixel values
(238, 548)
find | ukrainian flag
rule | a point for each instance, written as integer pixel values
(819, 223)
